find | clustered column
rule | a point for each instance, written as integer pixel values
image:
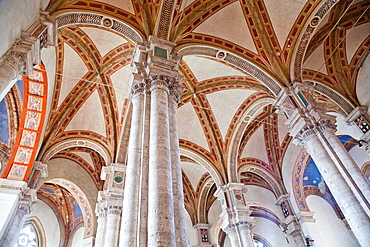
(109, 206)
(315, 131)
(237, 222)
(344, 196)
(130, 223)
(153, 207)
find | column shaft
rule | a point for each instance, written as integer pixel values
(245, 234)
(349, 169)
(112, 226)
(178, 194)
(143, 224)
(100, 231)
(160, 204)
(351, 208)
(129, 226)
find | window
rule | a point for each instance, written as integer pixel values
(259, 241)
(27, 237)
(32, 234)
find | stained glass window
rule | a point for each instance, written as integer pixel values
(27, 237)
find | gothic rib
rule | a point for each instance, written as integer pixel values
(194, 15)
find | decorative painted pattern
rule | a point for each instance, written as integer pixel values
(82, 201)
(325, 7)
(31, 124)
(297, 186)
(239, 62)
(97, 20)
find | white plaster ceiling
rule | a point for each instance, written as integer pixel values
(225, 104)
(363, 83)
(232, 28)
(257, 151)
(90, 116)
(74, 69)
(355, 36)
(316, 61)
(120, 80)
(104, 40)
(194, 172)
(189, 126)
(282, 127)
(204, 68)
(283, 14)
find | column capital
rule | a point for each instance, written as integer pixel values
(43, 168)
(306, 216)
(281, 199)
(360, 118)
(322, 125)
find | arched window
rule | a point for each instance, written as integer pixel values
(259, 241)
(32, 234)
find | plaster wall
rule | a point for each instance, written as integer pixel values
(192, 232)
(78, 237)
(15, 17)
(359, 156)
(287, 171)
(63, 168)
(213, 217)
(328, 230)
(271, 232)
(48, 221)
(265, 196)
(362, 86)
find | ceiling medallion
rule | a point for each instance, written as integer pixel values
(315, 21)
(107, 22)
(220, 55)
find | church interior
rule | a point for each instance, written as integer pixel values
(271, 123)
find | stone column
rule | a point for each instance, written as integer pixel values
(237, 222)
(143, 224)
(16, 202)
(161, 229)
(112, 226)
(25, 52)
(178, 193)
(101, 213)
(109, 206)
(344, 196)
(129, 226)
(345, 163)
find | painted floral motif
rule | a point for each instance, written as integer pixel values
(17, 172)
(34, 103)
(32, 120)
(23, 155)
(28, 138)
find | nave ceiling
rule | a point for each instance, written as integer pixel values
(237, 56)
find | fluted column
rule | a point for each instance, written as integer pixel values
(161, 229)
(129, 226)
(113, 221)
(178, 194)
(344, 196)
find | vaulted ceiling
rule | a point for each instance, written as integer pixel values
(237, 56)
